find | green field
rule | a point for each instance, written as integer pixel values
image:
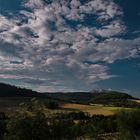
(94, 109)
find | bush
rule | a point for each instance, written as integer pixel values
(52, 105)
(32, 123)
(129, 125)
(29, 123)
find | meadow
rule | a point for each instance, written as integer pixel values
(97, 109)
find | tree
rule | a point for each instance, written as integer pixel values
(52, 105)
(129, 125)
(29, 123)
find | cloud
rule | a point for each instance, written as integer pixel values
(33, 4)
(49, 43)
(114, 28)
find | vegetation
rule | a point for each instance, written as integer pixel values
(129, 125)
(91, 109)
(48, 117)
(12, 91)
(98, 109)
(111, 98)
(104, 97)
(126, 103)
(32, 122)
(52, 105)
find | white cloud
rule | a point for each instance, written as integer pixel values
(114, 28)
(33, 3)
(55, 44)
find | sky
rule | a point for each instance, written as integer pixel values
(73, 45)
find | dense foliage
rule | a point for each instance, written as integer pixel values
(129, 125)
(34, 122)
(52, 105)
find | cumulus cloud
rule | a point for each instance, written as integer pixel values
(52, 43)
(114, 28)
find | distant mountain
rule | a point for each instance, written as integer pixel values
(92, 97)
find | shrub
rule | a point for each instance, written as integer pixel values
(129, 125)
(52, 105)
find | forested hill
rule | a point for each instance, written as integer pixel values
(92, 97)
(13, 91)
(79, 97)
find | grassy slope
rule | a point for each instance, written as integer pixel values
(97, 109)
(137, 101)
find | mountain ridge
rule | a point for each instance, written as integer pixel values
(7, 90)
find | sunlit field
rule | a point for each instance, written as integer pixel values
(95, 109)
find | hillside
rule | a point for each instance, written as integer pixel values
(12, 96)
(95, 97)
(92, 97)
(13, 91)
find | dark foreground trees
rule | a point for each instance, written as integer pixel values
(32, 122)
(129, 125)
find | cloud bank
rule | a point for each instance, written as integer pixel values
(64, 45)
